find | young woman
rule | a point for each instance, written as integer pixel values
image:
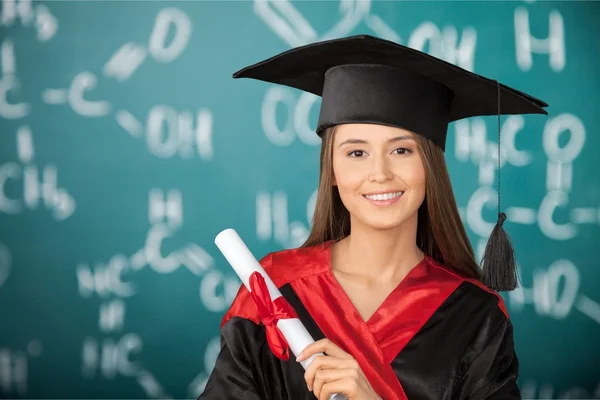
(386, 283)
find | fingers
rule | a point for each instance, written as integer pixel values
(324, 379)
(328, 363)
(346, 386)
(323, 346)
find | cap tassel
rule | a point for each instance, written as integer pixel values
(499, 264)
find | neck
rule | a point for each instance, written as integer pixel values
(381, 254)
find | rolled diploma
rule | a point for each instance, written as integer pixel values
(244, 263)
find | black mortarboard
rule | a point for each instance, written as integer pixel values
(364, 79)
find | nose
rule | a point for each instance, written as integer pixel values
(380, 170)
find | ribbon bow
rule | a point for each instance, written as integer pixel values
(271, 311)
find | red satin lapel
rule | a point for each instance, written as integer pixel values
(410, 305)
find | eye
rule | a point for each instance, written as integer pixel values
(402, 151)
(356, 153)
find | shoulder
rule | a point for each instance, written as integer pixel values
(282, 267)
(470, 315)
(286, 266)
(471, 290)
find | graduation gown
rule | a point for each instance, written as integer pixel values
(436, 336)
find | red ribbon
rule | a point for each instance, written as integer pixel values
(271, 312)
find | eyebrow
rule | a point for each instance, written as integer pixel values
(360, 141)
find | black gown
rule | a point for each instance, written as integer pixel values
(436, 336)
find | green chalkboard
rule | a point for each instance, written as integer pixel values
(126, 146)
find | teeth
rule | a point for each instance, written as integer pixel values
(386, 196)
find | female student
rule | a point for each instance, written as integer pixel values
(387, 283)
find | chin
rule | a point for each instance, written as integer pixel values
(384, 222)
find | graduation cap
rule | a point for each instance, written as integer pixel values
(364, 79)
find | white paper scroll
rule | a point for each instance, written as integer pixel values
(244, 263)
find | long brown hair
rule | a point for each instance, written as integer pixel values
(440, 231)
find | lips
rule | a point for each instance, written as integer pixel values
(384, 199)
(383, 196)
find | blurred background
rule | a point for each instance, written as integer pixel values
(126, 147)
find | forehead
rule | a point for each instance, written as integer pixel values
(369, 132)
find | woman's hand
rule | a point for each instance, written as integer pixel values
(335, 372)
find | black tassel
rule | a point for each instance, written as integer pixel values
(499, 264)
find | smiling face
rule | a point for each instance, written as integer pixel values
(379, 174)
